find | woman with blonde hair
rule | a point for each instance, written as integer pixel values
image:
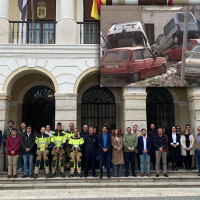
(187, 149)
(117, 154)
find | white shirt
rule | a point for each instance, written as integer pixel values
(174, 139)
(145, 143)
(49, 133)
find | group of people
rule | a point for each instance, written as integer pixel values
(79, 150)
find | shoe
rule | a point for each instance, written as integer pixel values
(15, 176)
(24, 176)
(9, 176)
(79, 175)
(35, 176)
(71, 176)
(108, 176)
(157, 175)
(198, 174)
(47, 175)
(62, 175)
(134, 175)
(142, 175)
(85, 176)
(52, 175)
(20, 169)
(173, 169)
(101, 176)
(94, 176)
(30, 176)
(126, 175)
(165, 175)
(149, 175)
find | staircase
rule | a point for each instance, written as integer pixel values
(176, 179)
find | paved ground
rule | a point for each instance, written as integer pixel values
(104, 194)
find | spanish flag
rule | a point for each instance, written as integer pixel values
(96, 8)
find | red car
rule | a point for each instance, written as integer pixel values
(132, 63)
(175, 53)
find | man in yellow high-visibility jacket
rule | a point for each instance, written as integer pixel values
(43, 141)
(75, 144)
(58, 143)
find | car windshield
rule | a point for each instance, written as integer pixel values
(181, 17)
(196, 49)
(116, 56)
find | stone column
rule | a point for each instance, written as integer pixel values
(193, 95)
(4, 24)
(135, 107)
(66, 109)
(66, 28)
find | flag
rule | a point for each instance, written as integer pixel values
(170, 2)
(23, 8)
(96, 8)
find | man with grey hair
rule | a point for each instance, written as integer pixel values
(91, 145)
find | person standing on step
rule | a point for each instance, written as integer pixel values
(28, 142)
(152, 133)
(42, 141)
(130, 143)
(187, 149)
(49, 132)
(144, 150)
(21, 133)
(7, 132)
(180, 157)
(197, 147)
(75, 143)
(117, 155)
(160, 144)
(91, 145)
(69, 134)
(13, 146)
(174, 147)
(58, 144)
(105, 145)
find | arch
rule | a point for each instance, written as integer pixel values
(83, 76)
(98, 108)
(15, 75)
(160, 107)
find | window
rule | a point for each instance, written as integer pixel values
(181, 17)
(116, 56)
(138, 55)
(196, 56)
(147, 54)
(170, 26)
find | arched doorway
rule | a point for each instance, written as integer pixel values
(160, 107)
(39, 107)
(98, 108)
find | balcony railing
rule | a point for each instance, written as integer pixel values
(42, 32)
(89, 32)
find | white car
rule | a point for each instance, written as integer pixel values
(158, 47)
(127, 35)
(192, 68)
(103, 44)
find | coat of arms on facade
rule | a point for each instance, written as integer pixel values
(41, 10)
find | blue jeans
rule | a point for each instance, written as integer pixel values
(198, 158)
(104, 156)
(144, 159)
(21, 162)
(28, 158)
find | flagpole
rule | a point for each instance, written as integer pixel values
(33, 22)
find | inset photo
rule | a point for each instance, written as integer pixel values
(147, 46)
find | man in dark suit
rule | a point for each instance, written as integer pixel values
(144, 151)
(174, 147)
(104, 143)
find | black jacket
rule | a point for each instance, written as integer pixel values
(91, 143)
(171, 140)
(28, 142)
(100, 142)
(152, 133)
(83, 134)
(160, 142)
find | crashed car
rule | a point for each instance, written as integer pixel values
(127, 35)
(131, 64)
(192, 69)
(175, 52)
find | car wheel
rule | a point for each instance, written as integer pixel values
(163, 69)
(136, 77)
